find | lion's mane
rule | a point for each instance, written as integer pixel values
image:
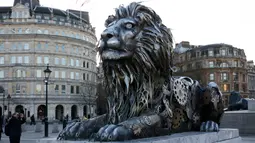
(133, 83)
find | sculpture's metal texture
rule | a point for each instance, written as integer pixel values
(143, 99)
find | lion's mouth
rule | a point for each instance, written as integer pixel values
(112, 50)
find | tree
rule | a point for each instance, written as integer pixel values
(88, 93)
(101, 100)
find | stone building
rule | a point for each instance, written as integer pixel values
(251, 78)
(32, 36)
(221, 63)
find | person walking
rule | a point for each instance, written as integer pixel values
(32, 118)
(14, 126)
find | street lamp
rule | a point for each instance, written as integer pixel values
(9, 98)
(47, 72)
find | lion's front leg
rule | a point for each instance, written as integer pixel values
(137, 127)
(83, 129)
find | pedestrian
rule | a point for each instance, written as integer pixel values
(14, 126)
(32, 118)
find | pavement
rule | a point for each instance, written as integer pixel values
(30, 136)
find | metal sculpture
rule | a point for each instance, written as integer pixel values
(144, 100)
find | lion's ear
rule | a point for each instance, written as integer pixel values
(109, 20)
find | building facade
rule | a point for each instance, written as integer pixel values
(220, 63)
(32, 36)
(251, 78)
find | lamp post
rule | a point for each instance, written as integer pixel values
(8, 98)
(47, 72)
(3, 101)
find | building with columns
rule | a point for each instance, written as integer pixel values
(32, 36)
(251, 78)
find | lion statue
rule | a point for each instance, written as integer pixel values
(144, 99)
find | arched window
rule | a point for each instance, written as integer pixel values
(20, 73)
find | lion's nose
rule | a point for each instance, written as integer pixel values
(106, 35)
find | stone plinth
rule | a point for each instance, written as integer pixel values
(242, 120)
(251, 105)
(223, 136)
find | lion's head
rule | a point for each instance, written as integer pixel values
(136, 36)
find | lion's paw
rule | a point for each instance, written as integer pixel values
(209, 126)
(113, 133)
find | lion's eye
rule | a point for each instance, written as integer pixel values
(129, 25)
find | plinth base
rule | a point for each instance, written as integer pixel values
(223, 136)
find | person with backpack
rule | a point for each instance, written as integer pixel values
(13, 127)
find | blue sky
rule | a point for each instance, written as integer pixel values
(198, 21)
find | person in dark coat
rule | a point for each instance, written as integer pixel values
(14, 124)
(32, 118)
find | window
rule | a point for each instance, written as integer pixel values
(46, 45)
(84, 64)
(235, 76)
(38, 73)
(57, 48)
(1, 46)
(223, 52)
(46, 60)
(210, 53)
(38, 88)
(13, 60)
(17, 88)
(244, 78)
(72, 62)
(72, 75)
(56, 74)
(1, 74)
(26, 60)
(39, 60)
(84, 76)
(77, 90)
(72, 89)
(26, 46)
(236, 86)
(223, 76)
(77, 75)
(20, 73)
(63, 89)
(56, 89)
(20, 46)
(63, 48)
(77, 50)
(56, 61)
(235, 64)
(211, 64)
(77, 63)
(20, 60)
(63, 74)
(211, 76)
(87, 64)
(235, 53)
(224, 65)
(39, 46)
(1, 60)
(87, 76)
(225, 87)
(14, 46)
(63, 61)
